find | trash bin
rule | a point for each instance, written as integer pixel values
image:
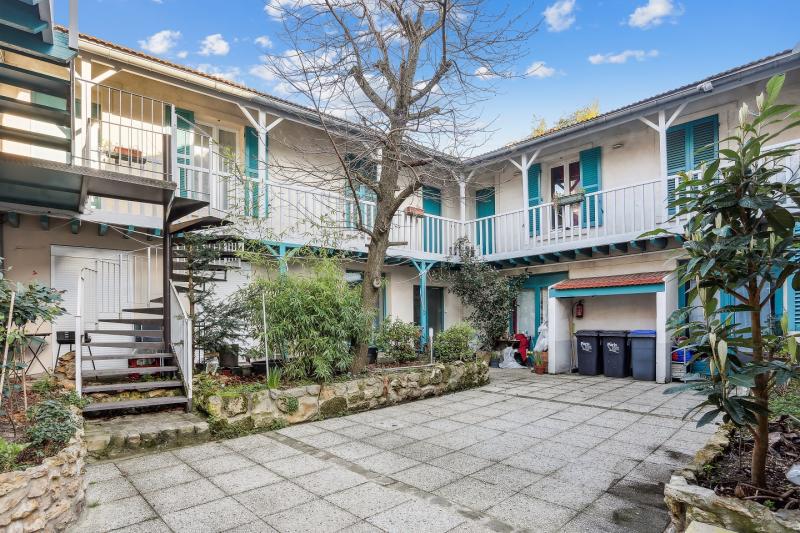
(643, 354)
(616, 359)
(590, 362)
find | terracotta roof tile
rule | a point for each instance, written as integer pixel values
(623, 280)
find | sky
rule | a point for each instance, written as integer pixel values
(611, 51)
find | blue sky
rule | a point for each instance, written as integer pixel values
(612, 51)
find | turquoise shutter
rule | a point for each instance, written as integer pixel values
(794, 305)
(688, 146)
(534, 198)
(704, 141)
(432, 228)
(251, 171)
(677, 159)
(484, 207)
(591, 182)
(184, 142)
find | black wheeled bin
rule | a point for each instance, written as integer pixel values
(590, 361)
(643, 354)
(616, 358)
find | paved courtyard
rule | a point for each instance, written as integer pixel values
(526, 452)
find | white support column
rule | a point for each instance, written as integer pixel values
(666, 304)
(559, 341)
(462, 200)
(523, 166)
(262, 160)
(86, 112)
(662, 143)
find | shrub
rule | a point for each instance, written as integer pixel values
(398, 340)
(452, 344)
(52, 424)
(314, 319)
(8, 454)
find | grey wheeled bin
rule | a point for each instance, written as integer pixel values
(590, 361)
(643, 354)
(616, 358)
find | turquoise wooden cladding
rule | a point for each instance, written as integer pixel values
(432, 227)
(591, 181)
(484, 227)
(534, 199)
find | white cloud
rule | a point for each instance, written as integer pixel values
(484, 73)
(560, 16)
(226, 73)
(622, 57)
(653, 13)
(161, 42)
(214, 45)
(539, 69)
(261, 71)
(183, 54)
(263, 41)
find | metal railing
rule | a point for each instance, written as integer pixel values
(180, 332)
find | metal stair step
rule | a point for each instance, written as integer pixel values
(133, 404)
(145, 310)
(122, 357)
(128, 332)
(144, 345)
(144, 385)
(195, 278)
(206, 268)
(142, 321)
(110, 372)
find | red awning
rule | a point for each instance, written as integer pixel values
(622, 280)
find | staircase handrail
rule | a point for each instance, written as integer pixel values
(180, 340)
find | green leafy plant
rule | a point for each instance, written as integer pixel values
(290, 404)
(398, 340)
(8, 454)
(489, 294)
(51, 424)
(44, 386)
(274, 379)
(453, 344)
(538, 359)
(741, 215)
(314, 319)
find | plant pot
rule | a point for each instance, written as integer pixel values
(540, 369)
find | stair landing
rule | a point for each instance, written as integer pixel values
(132, 434)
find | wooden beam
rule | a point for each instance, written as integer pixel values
(550, 258)
(584, 252)
(75, 226)
(620, 247)
(569, 254)
(102, 229)
(603, 249)
(639, 245)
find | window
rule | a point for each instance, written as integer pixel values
(564, 180)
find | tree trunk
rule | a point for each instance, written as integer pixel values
(758, 476)
(369, 292)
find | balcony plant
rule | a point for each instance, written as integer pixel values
(575, 197)
(740, 239)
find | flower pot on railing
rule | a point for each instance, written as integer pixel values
(414, 211)
(568, 199)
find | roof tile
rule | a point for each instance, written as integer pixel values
(622, 280)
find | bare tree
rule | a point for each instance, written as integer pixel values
(396, 86)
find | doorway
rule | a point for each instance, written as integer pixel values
(435, 297)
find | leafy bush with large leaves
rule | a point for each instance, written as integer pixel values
(489, 294)
(741, 211)
(315, 319)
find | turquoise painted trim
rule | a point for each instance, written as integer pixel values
(432, 228)
(485, 207)
(58, 52)
(423, 267)
(22, 16)
(607, 291)
(537, 282)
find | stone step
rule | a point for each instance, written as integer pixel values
(120, 436)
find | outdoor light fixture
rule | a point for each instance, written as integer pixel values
(705, 87)
(617, 146)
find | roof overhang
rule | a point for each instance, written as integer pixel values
(62, 187)
(727, 81)
(641, 283)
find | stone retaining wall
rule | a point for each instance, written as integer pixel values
(688, 502)
(289, 406)
(46, 497)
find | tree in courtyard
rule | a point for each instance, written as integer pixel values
(408, 76)
(740, 240)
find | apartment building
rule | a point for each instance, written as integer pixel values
(108, 155)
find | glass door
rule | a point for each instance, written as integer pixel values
(564, 181)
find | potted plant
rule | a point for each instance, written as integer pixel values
(539, 363)
(575, 197)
